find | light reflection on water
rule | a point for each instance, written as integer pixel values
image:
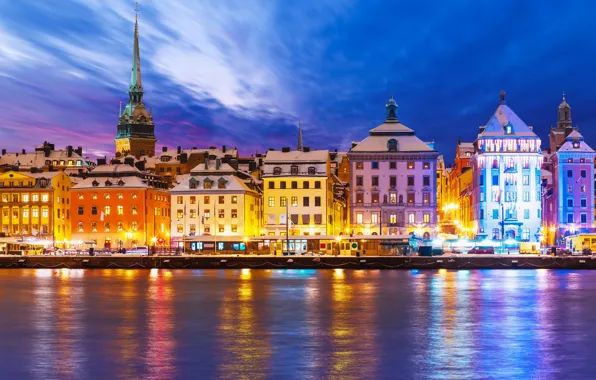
(303, 324)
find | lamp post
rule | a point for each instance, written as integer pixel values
(502, 227)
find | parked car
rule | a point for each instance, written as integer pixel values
(482, 251)
(141, 250)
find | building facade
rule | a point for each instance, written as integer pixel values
(215, 208)
(300, 184)
(117, 208)
(393, 185)
(36, 205)
(507, 179)
(136, 130)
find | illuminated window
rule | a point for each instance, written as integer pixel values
(25, 197)
(134, 226)
(120, 195)
(179, 213)
(193, 200)
(106, 195)
(359, 165)
(120, 210)
(234, 228)
(234, 213)
(426, 217)
(179, 200)
(207, 200)
(106, 210)
(120, 226)
(134, 210)
(94, 196)
(234, 199)
(45, 197)
(80, 196)
(221, 228)
(222, 199)
(392, 198)
(193, 213)
(25, 213)
(35, 212)
(93, 227)
(80, 227)
(294, 201)
(44, 212)
(283, 201)
(426, 165)
(107, 227)
(207, 214)
(221, 213)
(410, 164)
(271, 202)
(359, 217)
(134, 195)
(179, 228)
(411, 218)
(392, 218)
(374, 218)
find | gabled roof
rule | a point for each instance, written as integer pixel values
(502, 117)
(277, 156)
(575, 143)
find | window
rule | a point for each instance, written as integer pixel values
(411, 198)
(359, 165)
(193, 213)
(193, 200)
(192, 184)
(495, 180)
(221, 184)
(179, 200)
(207, 200)
(317, 184)
(93, 227)
(496, 213)
(294, 184)
(526, 196)
(411, 218)
(374, 165)
(305, 185)
(134, 195)
(311, 170)
(271, 202)
(392, 145)
(294, 201)
(359, 181)
(426, 180)
(221, 199)
(305, 201)
(481, 214)
(134, 210)
(80, 210)
(25, 198)
(570, 189)
(410, 180)
(392, 165)
(584, 202)
(317, 201)
(426, 198)
(392, 218)
(234, 199)
(106, 195)
(44, 212)
(107, 227)
(179, 213)
(583, 188)
(93, 210)
(525, 234)
(375, 197)
(375, 180)
(26, 213)
(426, 217)
(410, 164)
(120, 195)
(282, 184)
(526, 214)
(277, 170)
(221, 213)
(392, 181)
(569, 218)
(106, 210)
(570, 160)
(34, 198)
(583, 218)
(426, 165)
(393, 198)
(570, 202)
(569, 173)
(80, 226)
(179, 228)
(526, 180)
(294, 169)
(120, 210)
(45, 197)
(234, 228)
(583, 173)
(359, 217)
(481, 180)
(374, 218)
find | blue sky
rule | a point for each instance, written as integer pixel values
(242, 73)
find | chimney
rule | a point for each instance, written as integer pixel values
(164, 149)
(183, 158)
(69, 150)
(23, 151)
(3, 152)
(129, 161)
(233, 163)
(212, 156)
(271, 149)
(212, 147)
(101, 161)
(179, 149)
(79, 151)
(306, 149)
(285, 149)
(217, 164)
(46, 151)
(223, 148)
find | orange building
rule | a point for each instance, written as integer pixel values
(117, 207)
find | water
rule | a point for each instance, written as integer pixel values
(302, 324)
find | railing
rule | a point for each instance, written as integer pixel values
(388, 204)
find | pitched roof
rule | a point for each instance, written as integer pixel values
(502, 117)
(128, 182)
(575, 143)
(277, 156)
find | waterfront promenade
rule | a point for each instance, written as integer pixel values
(301, 262)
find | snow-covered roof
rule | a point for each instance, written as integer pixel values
(391, 126)
(408, 143)
(116, 183)
(503, 117)
(115, 169)
(210, 167)
(232, 183)
(278, 156)
(575, 143)
(37, 159)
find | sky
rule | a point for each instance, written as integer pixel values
(243, 73)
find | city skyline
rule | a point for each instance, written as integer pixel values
(215, 74)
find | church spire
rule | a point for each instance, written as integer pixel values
(300, 136)
(136, 86)
(564, 119)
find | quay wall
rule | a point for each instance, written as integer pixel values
(301, 262)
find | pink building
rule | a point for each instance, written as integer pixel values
(393, 181)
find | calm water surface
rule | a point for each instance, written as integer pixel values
(302, 324)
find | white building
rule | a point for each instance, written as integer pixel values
(214, 204)
(507, 187)
(393, 184)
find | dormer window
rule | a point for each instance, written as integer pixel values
(108, 183)
(95, 183)
(508, 129)
(277, 170)
(121, 183)
(294, 170)
(311, 170)
(221, 183)
(192, 183)
(207, 183)
(576, 144)
(392, 145)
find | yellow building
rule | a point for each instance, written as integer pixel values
(214, 208)
(36, 205)
(466, 225)
(300, 183)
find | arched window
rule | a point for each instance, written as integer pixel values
(392, 145)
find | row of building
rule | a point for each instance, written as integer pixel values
(503, 186)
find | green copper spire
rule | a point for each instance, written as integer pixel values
(136, 86)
